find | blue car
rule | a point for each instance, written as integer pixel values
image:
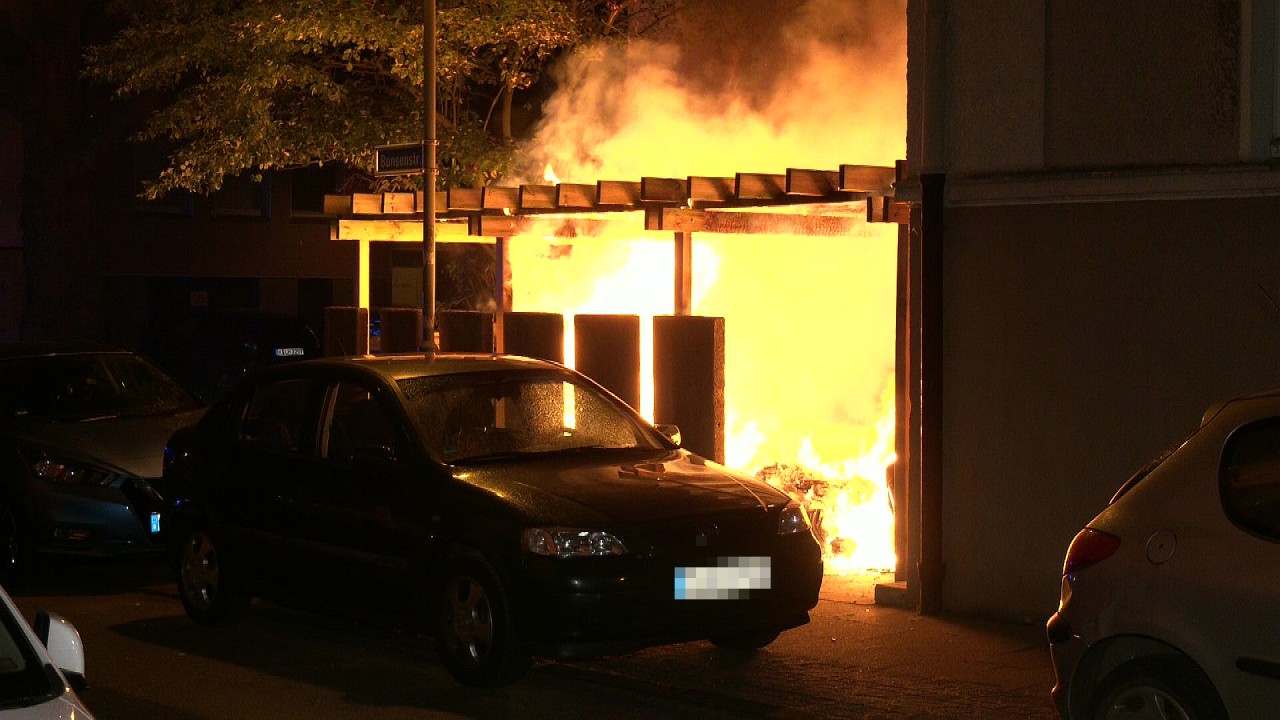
(82, 433)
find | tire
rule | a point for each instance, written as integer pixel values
(209, 584)
(474, 631)
(1172, 688)
(745, 642)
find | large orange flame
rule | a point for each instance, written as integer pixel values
(809, 353)
(809, 321)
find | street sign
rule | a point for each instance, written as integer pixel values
(403, 159)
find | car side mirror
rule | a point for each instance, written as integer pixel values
(378, 457)
(671, 432)
(62, 641)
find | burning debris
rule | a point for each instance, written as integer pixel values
(821, 498)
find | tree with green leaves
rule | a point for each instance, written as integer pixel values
(257, 85)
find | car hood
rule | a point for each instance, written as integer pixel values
(132, 445)
(612, 486)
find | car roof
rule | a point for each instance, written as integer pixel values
(1213, 410)
(396, 367)
(11, 350)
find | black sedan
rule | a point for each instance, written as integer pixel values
(509, 507)
(82, 437)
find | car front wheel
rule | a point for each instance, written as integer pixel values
(1169, 690)
(208, 584)
(475, 635)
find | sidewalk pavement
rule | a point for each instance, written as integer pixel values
(854, 660)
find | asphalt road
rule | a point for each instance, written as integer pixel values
(145, 659)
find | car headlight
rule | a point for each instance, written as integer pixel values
(793, 520)
(61, 471)
(571, 542)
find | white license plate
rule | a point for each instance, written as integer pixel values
(731, 578)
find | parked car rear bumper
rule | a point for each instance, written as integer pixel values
(1066, 648)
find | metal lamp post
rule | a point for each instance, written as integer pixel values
(429, 177)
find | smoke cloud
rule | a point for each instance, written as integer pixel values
(735, 87)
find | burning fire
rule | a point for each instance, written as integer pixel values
(809, 399)
(809, 321)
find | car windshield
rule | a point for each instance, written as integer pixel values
(487, 415)
(86, 386)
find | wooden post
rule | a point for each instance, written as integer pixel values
(684, 274)
(502, 293)
(362, 276)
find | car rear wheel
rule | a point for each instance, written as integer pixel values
(208, 585)
(1169, 690)
(475, 635)
(745, 642)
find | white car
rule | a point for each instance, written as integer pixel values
(1171, 595)
(39, 667)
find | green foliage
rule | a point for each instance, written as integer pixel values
(253, 85)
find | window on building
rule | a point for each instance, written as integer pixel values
(247, 194)
(148, 163)
(310, 184)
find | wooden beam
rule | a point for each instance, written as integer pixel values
(366, 204)
(537, 197)
(496, 225)
(679, 220)
(395, 231)
(882, 209)
(711, 189)
(812, 182)
(500, 198)
(464, 199)
(872, 179)
(337, 204)
(493, 226)
(575, 196)
(622, 193)
(664, 190)
(684, 220)
(757, 186)
(398, 203)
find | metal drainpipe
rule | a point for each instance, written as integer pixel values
(931, 380)
(933, 136)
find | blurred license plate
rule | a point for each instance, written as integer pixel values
(731, 578)
(155, 522)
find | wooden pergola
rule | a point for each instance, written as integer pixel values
(797, 202)
(824, 202)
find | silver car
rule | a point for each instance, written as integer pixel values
(1171, 596)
